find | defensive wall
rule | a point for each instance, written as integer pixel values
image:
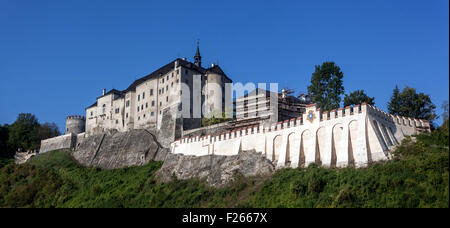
(350, 136)
(66, 141)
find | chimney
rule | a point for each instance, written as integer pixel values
(103, 92)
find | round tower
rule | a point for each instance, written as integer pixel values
(75, 124)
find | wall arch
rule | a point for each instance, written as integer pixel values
(386, 135)
(291, 153)
(379, 135)
(277, 148)
(308, 148)
(339, 145)
(353, 128)
(321, 155)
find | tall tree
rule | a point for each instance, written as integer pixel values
(326, 86)
(47, 130)
(23, 132)
(409, 103)
(4, 132)
(394, 104)
(358, 97)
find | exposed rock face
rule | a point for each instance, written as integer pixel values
(119, 149)
(137, 147)
(218, 170)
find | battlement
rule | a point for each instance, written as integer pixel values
(347, 136)
(75, 117)
(282, 125)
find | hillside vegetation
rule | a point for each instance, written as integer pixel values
(417, 177)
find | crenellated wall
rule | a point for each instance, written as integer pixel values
(350, 136)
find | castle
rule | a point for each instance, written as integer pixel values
(142, 104)
(291, 132)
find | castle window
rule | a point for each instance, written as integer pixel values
(143, 95)
(178, 80)
(104, 108)
(146, 105)
(160, 103)
(153, 113)
(117, 121)
(144, 115)
(139, 97)
(153, 103)
(128, 103)
(117, 110)
(139, 118)
(171, 85)
(127, 115)
(142, 107)
(138, 109)
(172, 74)
(178, 71)
(163, 80)
(159, 91)
(92, 113)
(151, 92)
(167, 78)
(162, 91)
(167, 98)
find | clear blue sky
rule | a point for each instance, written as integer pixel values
(56, 56)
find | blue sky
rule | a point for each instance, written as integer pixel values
(56, 56)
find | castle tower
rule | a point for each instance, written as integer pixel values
(198, 57)
(75, 124)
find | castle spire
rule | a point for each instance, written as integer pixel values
(197, 57)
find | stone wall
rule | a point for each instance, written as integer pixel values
(344, 137)
(66, 141)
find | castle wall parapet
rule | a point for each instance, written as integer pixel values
(350, 136)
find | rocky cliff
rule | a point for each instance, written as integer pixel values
(119, 149)
(218, 170)
(137, 147)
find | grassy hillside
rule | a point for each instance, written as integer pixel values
(417, 177)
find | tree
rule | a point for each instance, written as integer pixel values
(4, 132)
(23, 132)
(409, 103)
(47, 130)
(326, 86)
(445, 125)
(358, 97)
(394, 104)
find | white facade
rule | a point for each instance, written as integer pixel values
(142, 104)
(346, 137)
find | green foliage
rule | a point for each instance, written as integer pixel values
(25, 133)
(4, 132)
(213, 120)
(326, 86)
(417, 177)
(409, 103)
(358, 97)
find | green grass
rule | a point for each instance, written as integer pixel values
(417, 177)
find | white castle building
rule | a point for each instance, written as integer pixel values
(142, 104)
